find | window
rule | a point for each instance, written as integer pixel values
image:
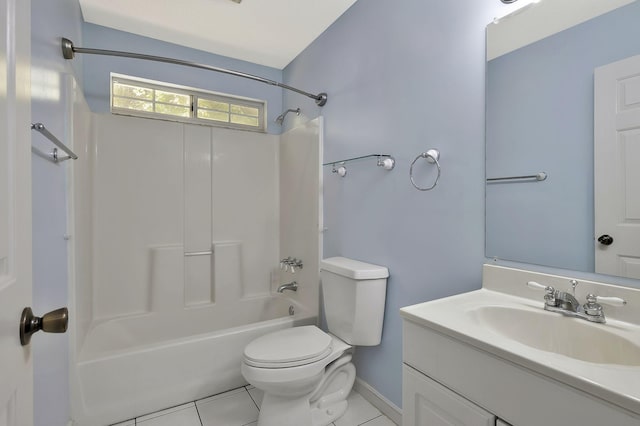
(152, 99)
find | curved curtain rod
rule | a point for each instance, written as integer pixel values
(69, 51)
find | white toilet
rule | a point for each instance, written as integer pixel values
(307, 374)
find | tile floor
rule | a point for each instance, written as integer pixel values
(239, 407)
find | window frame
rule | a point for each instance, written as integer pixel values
(195, 95)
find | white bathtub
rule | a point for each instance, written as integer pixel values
(139, 364)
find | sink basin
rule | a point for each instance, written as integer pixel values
(506, 320)
(551, 332)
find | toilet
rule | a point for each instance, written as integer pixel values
(307, 374)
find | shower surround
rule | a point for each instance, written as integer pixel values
(178, 231)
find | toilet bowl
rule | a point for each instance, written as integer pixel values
(306, 374)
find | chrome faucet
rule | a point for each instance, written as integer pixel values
(293, 286)
(566, 303)
(290, 264)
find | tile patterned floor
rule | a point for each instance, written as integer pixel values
(239, 407)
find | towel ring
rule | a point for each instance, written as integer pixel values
(431, 156)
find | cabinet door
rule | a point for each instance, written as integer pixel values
(428, 403)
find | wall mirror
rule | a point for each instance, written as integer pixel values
(541, 116)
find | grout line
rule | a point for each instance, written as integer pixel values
(163, 409)
(221, 393)
(370, 420)
(198, 413)
(254, 401)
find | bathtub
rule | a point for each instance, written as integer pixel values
(135, 365)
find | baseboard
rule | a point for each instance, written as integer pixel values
(387, 407)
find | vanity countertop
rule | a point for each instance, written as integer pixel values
(587, 369)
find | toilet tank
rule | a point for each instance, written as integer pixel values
(354, 293)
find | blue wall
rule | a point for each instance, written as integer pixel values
(98, 68)
(540, 118)
(403, 77)
(50, 20)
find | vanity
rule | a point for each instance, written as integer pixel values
(495, 356)
(519, 354)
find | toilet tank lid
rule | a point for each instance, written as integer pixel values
(353, 268)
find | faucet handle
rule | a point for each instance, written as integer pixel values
(606, 300)
(593, 307)
(550, 292)
(284, 263)
(534, 285)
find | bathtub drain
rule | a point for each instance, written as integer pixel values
(291, 310)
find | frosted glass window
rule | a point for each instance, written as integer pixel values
(214, 105)
(213, 115)
(154, 100)
(173, 98)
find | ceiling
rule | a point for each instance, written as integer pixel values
(265, 32)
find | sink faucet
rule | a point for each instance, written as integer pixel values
(566, 301)
(567, 304)
(293, 286)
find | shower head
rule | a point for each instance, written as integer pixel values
(280, 118)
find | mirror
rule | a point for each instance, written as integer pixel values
(540, 119)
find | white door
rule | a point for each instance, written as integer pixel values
(617, 168)
(16, 375)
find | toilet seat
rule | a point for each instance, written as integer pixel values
(287, 348)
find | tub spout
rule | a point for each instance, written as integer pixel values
(293, 286)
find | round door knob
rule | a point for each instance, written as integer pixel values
(53, 322)
(605, 240)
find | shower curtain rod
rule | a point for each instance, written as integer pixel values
(69, 51)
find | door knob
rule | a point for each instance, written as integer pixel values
(605, 240)
(53, 322)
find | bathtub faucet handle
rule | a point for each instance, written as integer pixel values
(290, 264)
(295, 263)
(285, 263)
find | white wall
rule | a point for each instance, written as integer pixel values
(245, 204)
(80, 219)
(301, 207)
(138, 192)
(162, 189)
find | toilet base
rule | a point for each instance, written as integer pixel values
(326, 416)
(282, 411)
(327, 403)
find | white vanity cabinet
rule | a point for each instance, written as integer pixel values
(449, 381)
(428, 403)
